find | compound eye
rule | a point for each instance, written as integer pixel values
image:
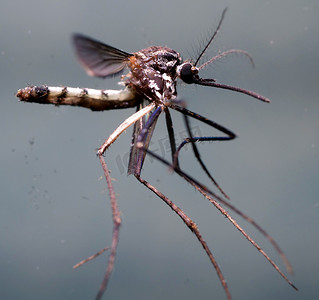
(187, 72)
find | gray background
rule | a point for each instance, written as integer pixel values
(55, 210)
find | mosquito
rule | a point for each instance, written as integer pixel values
(150, 86)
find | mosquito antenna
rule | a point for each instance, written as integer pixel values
(223, 54)
(212, 38)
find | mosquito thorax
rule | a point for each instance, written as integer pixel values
(187, 72)
(153, 72)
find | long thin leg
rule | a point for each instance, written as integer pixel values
(211, 196)
(115, 211)
(225, 130)
(191, 139)
(142, 138)
(116, 230)
(82, 262)
(205, 192)
(193, 227)
(170, 130)
(123, 126)
(229, 134)
(145, 133)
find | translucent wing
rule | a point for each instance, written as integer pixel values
(99, 59)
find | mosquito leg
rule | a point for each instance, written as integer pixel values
(193, 227)
(197, 155)
(191, 139)
(115, 211)
(237, 226)
(143, 145)
(123, 126)
(241, 230)
(170, 130)
(128, 122)
(211, 196)
(116, 229)
(82, 262)
(230, 136)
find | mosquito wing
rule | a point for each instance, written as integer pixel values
(99, 59)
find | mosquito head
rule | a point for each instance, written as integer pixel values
(188, 72)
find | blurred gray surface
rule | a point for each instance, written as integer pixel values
(55, 209)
